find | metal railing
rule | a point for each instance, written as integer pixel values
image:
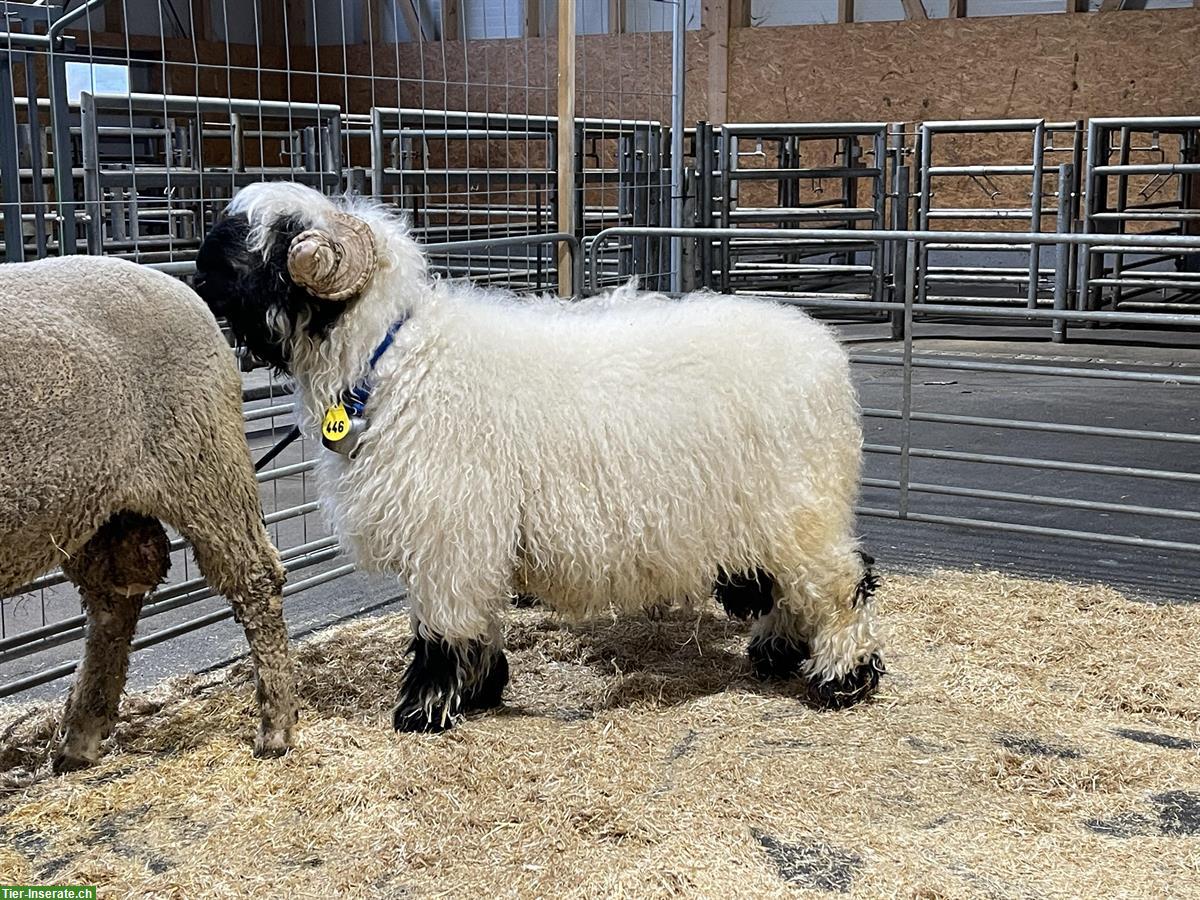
(902, 487)
(1157, 160)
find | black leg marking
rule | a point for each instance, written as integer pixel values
(851, 688)
(487, 690)
(525, 601)
(745, 597)
(774, 656)
(445, 680)
(868, 584)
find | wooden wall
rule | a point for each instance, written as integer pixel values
(1052, 66)
(1056, 66)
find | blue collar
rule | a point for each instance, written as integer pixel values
(355, 399)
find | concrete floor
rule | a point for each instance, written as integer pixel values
(1153, 575)
(1146, 573)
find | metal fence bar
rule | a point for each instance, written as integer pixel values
(157, 637)
(1062, 253)
(1028, 425)
(910, 275)
(1043, 531)
(962, 365)
(175, 597)
(1029, 462)
(1037, 499)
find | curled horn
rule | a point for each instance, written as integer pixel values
(336, 262)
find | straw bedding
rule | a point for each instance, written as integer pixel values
(1032, 739)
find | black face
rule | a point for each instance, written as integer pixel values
(264, 307)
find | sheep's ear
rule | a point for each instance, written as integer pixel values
(335, 262)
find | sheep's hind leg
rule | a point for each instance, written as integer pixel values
(447, 679)
(822, 628)
(127, 557)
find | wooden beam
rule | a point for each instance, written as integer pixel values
(372, 20)
(914, 9)
(452, 23)
(409, 11)
(297, 19)
(1110, 5)
(956, 9)
(566, 141)
(114, 16)
(1077, 6)
(714, 17)
(739, 14)
(533, 18)
(202, 20)
(845, 11)
(616, 17)
(271, 29)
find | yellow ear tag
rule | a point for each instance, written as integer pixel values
(336, 424)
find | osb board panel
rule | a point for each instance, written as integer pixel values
(1057, 67)
(1052, 66)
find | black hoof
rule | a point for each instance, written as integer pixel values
(67, 762)
(525, 601)
(777, 657)
(488, 691)
(445, 680)
(854, 687)
(420, 719)
(745, 597)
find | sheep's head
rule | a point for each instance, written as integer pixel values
(283, 265)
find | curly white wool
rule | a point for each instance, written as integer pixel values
(609, 453)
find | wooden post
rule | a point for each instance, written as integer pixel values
(114, 17)
(411, 19)
(846, 11)
(297, 19)
(201, 20)
(566, 141)
(915, 9)
(1077, 6)
(533, 18)
(616, 16)
(273, 33)
(372, 21)
(715, 21)
(739, 13)
(1110, 5)
(452, 29)
(956, 9)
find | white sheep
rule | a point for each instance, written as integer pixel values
(124, 408)
(606, 454)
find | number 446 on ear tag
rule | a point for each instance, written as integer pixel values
(336, 424)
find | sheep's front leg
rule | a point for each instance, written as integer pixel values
(447, 679)
(261, 615)
(114, 571)
(244, 566)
